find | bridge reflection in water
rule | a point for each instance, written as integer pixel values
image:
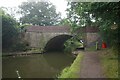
(46, 65)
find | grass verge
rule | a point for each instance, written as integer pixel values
(73, 70)
(93, 48)
(109, 61)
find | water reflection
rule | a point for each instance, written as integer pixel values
(35, 66)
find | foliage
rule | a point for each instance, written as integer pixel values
(39, 13)
(11, 40)
(23, 26)
(105, 15)
(64, 22)
(93, 48)
(109, 61)
(9, 30)
(72, 44)
(35, 50)
(78, 14)
(73, 70)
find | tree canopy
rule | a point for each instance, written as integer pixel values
(39, 13)
(108, 18)
(9, 31)
(104, 15)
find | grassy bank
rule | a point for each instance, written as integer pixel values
(73, 70)
(109, 60)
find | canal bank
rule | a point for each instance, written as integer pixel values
(92, 64)
(74, 69)
(22, 53)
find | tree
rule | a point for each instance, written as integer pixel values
(64, 22)
(39, 13)
(105, 15)
(78, 14)
(9, 31)
(108, 18)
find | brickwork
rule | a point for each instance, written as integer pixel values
(38, 36)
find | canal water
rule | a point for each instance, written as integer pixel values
(47, 65)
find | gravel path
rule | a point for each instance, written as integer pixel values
(90, 66)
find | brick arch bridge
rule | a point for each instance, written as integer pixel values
(53, 37)
(57, 43)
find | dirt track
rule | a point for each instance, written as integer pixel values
(90, 65)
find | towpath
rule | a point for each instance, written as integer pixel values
(91, 66)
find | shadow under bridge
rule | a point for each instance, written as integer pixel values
(56, 43)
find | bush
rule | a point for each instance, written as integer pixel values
(71, 45)
(109, 62)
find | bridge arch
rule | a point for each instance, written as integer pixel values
(56, 43)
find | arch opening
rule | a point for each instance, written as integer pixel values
(56, 43)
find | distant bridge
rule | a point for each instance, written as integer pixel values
(53, 37)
